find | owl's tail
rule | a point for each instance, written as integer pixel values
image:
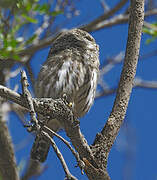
(40, 148)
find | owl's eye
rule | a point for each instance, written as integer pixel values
(89, 38)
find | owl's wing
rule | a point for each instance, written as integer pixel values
(60, 74)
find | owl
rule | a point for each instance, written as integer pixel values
(72, 68)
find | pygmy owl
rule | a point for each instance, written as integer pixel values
(72, 68)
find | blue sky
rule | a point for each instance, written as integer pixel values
(134, 152)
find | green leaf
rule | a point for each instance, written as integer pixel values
(4, 54)
(20, 4)
(30, 19)
(1, 35)
(5, 43)
(148, 41)
(31, 39)
(148, 31)
(13, 43)
(16, 28)
(42, 9)
(28, 6)
(16, 56)
(56, 13)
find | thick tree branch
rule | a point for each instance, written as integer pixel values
(106, 138)
(34, 169)
(8, 169)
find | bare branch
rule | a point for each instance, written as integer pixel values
(104, 5)
(116, 20)
(80, 163)
(8, 169)
(138, 83)
(27, 65)
(105, 16)
(69, 176)
(41, 29)
(148, 55)
(34, 48)
(150, 26)
(28, 97)
(34, 169)
(105, 92)
(107, 136)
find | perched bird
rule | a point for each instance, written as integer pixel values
(72, 68)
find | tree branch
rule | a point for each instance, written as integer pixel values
(8, 169)
(79, 161)
(34, 169)
(69, 176)
(138, 83)
(104, 141)
(105, 16)
(116, 20)
(58, 108)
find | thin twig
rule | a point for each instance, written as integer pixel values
(104, 16)
(41, 29)
(150, 26)
(30, 72)
(79, 161)
(104, 6)
(138, 83)
(28, 97)
(69, 176)
(116, 20)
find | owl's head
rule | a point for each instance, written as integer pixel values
(81, 35)
(75, 38)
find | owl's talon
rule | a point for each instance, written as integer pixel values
(32, 127)
(70, 104)
(65, 98)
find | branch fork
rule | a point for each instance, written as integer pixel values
(39, 127)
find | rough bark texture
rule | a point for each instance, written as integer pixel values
(8, 169)
(106, 138)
